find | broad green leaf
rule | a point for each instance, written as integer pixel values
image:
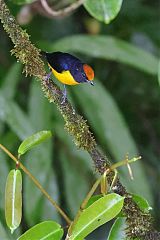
(13, 199)
(39, 161)
(118, 229)
(47, 230)
(80, 155)
(2, 126)
(142, 203)
(43, 114)
(51, 186)
(103, 10)
(18, 122)
(4, 169)
(76, 185)
(109, 48)
(112, 132)
(100, 212)
(33, 141)
(11, 80)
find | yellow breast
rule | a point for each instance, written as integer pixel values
(65, 77)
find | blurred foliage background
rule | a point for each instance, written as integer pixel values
(122, 109)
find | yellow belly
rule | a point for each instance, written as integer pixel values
(65, 77)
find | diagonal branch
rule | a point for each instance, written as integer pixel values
(139, 223)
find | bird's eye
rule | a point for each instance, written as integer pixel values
(84, 75)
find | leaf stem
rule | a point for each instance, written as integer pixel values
(35, 181)
(124, 162)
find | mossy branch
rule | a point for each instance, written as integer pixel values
(139, 223)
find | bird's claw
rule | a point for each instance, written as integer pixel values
(64, 97)
(47, 77)
(63, 100)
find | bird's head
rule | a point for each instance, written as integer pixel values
(89, 73)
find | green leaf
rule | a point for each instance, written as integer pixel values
(142, 203)
(100, 212)
(76, 185)
(13, 199)
(4, 169)
(51, 186)
(18, 122)
(80, 155)
(103, 10)
(10, 81)
(33, 140)
(109, 48)
(118, 229)
(42, 117)
(47, 230)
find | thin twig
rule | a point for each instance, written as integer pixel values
(36, 183)
(62, 12)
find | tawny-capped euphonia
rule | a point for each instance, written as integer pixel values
(68, 69)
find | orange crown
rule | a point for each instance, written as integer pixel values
(88, 71)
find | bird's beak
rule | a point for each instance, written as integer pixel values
(90, 82)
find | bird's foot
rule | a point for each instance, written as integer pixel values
(47, 77)
(64, 97)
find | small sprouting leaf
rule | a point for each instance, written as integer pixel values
(33, 140)
(118, 229)
(47, 230)
(100, 212)
(103, 10)
(13, 199)
(142, 203)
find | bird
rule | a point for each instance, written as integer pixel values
(69, 69)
